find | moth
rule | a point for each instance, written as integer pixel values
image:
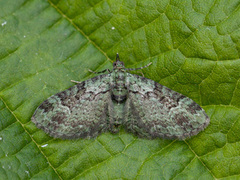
(118, 99)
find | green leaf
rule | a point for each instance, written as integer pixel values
(194, 47)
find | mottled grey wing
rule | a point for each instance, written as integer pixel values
(153, 110)
(80, 111)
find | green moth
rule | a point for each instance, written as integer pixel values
(109, 101)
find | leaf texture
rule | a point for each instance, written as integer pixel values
(194, 47)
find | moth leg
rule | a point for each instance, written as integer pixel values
(75, 81)
(140, 72)
(133, 69)
(99, 72)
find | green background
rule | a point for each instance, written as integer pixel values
(194, 47)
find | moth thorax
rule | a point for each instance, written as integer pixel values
(120, 75)
(120, 98)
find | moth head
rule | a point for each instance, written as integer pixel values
(118, 64)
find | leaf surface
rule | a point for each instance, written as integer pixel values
(194, 47)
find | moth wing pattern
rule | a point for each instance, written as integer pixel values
(80, 111)
(153, 110)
